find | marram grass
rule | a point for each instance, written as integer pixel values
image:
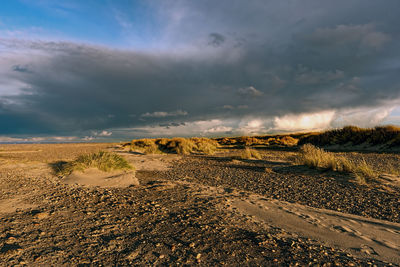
(178, 145)
(315, 157)
(249, 153)
(104, 161)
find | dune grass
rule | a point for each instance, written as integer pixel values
(146, 146)
(381, 137)
(276, 140)
(288, 141)
(178, 145)
(388, 136)
(249, 153)
(315, 157)
(104, 161)
(181, 146)
(205, 145)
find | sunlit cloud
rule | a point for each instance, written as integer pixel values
(300, 122)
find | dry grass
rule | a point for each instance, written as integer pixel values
(364, 173)
(249, 140)
(392, 169)
(205, 145)
(380, 136)
(178, 145)
(315, 157)
(277, 140)
(288, 141)
(249, 153)
(268, 170)
(181, 146)
(146, 146)
(351, 135)
(104, 161)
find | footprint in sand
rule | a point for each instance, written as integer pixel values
(392, 231)
(368, 250)
(366, 238)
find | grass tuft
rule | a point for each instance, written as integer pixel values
(288, 141)
(104, 161)
(181, 146)
(364, 173)
(249, 153)
(146, 146)
(205, 145)
(315, 157)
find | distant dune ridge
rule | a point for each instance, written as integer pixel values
(381, 138)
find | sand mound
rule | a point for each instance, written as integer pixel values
(95, 177)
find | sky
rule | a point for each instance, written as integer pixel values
(98, 70)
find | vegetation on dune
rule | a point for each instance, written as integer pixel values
(249, 140)
(352, 135)
(146, 146)
(277, 140)
(315, 157)
(104, 161)
(205, 145)
(182, 146)
(383, 137)
(249, 153)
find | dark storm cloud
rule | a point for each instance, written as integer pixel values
(293, 58)
(249, 92)
(20, 68)
(216, 39)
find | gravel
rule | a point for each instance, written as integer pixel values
(167, 220)
(296, 184)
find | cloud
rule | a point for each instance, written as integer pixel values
(193, 128)
(8, 139)
(364, 35)
(216, 39)
(219, 130)
(312, 77)
(249, 91)
(57, 96)
(97, 135)
(223, 65)
(229, 107)
(363, 117)
(20, 68)
(122, 20)
(300, 122)
(163, 114)
(104, 133)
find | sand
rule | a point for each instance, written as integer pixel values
(94, 177)
(147, 218)
(359, 235)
